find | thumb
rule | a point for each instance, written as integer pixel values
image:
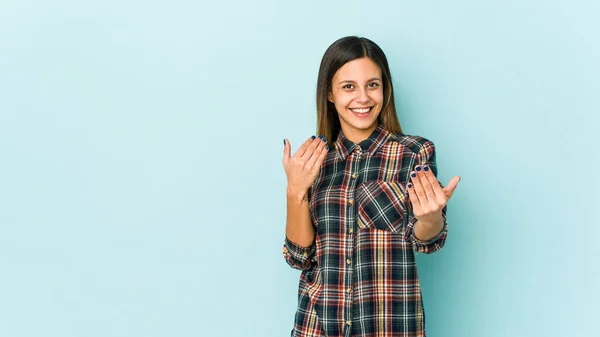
(449, 190)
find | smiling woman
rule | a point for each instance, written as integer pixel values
(356, 214)
(357, 101)
(354, 74)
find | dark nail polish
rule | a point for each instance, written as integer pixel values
(426, 168)
(414, 175)
(409, 185)
(284, 142)
(418, 168)
(320, 137)
(326, 147)
(325, 140)
(313, 137)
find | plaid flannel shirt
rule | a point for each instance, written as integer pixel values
(359, 277)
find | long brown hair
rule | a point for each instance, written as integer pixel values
(339, 53)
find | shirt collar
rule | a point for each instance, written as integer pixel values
(371, 145)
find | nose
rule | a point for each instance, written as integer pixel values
(362, 96)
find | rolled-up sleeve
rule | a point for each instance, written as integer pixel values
(298, 257)
(426, 156)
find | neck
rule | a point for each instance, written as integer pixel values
(356, 136)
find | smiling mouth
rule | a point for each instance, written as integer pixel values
(361, 110)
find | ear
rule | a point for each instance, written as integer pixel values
(330, 97)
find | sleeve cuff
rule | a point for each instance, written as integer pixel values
(417, 241)
(298, 252)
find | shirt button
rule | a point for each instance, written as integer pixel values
(351, 201)
(348, 261)
(349, 290)
(348, 323)
(354, 175)
(305, 254)
(351, 230)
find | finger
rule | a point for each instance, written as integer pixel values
(439, 194)
(319, 160)
(316, 154)
(449, 190)
(426, 185)
(421, 197)
(414, 199)
(310, 151)
(286, 151)
(304, 146)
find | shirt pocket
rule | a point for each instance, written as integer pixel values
(382, 205)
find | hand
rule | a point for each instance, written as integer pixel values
(427, 197)
(303, 167)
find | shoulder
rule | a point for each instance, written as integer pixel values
(414, 143)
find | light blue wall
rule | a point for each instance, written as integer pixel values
(141, 186)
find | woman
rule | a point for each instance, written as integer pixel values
(362, 197)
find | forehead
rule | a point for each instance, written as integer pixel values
(358, 69)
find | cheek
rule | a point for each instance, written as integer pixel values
(378, 96)
(342, 100)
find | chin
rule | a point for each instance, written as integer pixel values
(364, 126)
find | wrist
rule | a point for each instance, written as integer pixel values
(296, 194)
(432, 223)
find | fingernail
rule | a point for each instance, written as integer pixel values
(409, 185)
(320, 137)
(414, 175)
(418, 168)
(425, 168)
(284, 142)
(325, 140)
(313, 137)
(326, 147)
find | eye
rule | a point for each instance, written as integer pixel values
(373, 85)
(347, 86)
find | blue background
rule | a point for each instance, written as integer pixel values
(141, 185)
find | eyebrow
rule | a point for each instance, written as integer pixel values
(350, 81)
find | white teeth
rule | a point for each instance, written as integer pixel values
(361, 111)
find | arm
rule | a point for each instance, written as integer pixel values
(299, 245)
(299, 228)
(301, 170)
(428, 227)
